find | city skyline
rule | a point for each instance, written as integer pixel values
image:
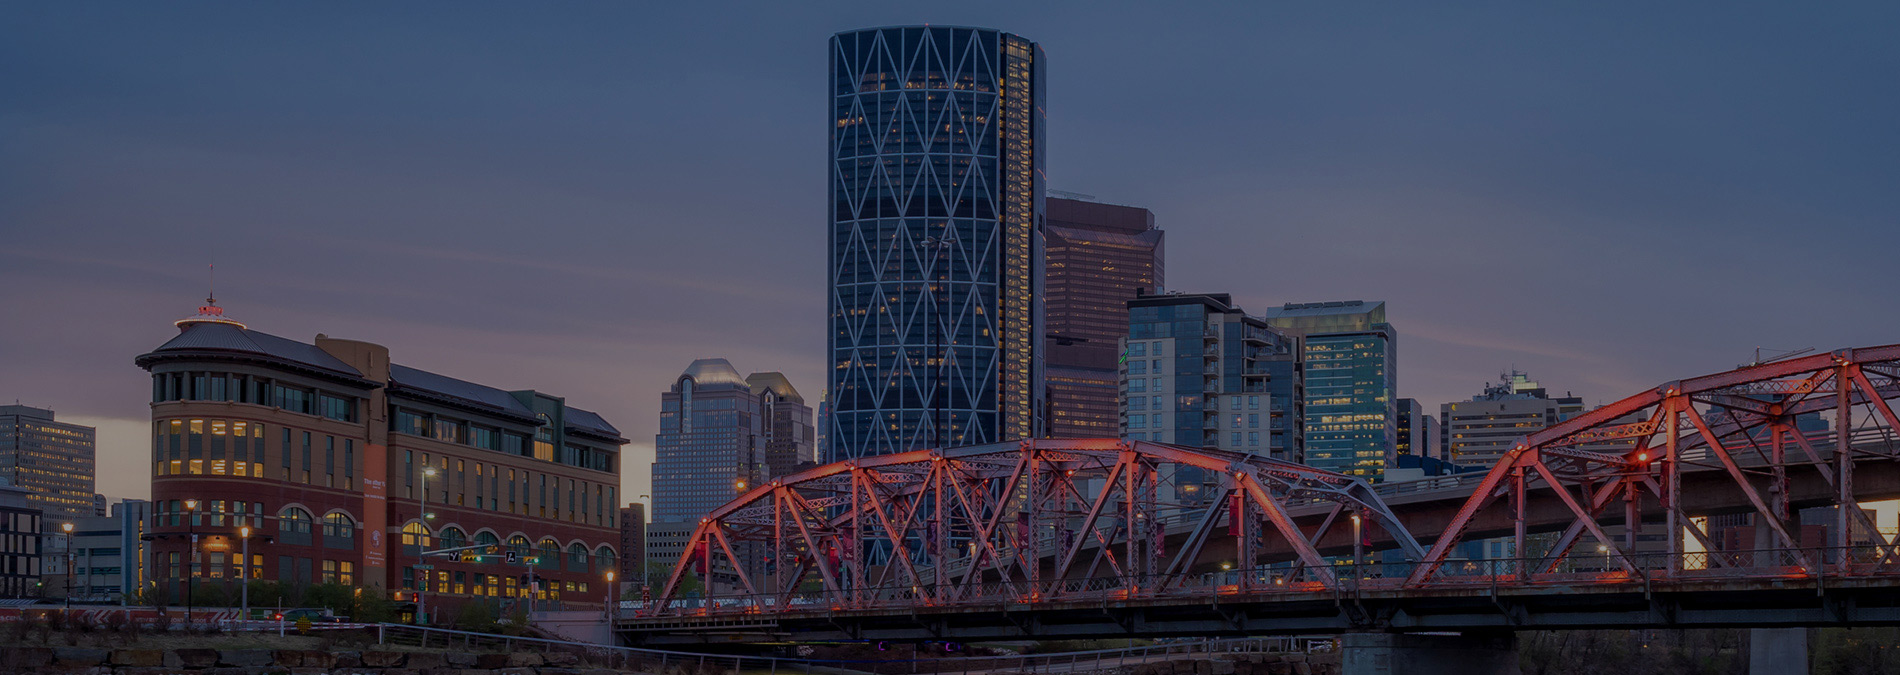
(1660, 176)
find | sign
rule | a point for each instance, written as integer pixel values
(511, 557)
(375, 513)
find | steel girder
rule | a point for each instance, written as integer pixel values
(1741, 421)
(1020, 522)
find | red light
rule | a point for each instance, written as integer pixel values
(1642, 457)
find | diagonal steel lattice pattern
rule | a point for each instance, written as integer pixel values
(939, 526)
(1053, 521)
(936, 188)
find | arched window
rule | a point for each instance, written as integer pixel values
(576, 557)
(604, 560)
(519, 545)
(489, 539)
(451, 537)
(415, 537)
(293, 526)
(549, 555)
(338, 524)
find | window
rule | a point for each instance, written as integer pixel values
(415, 537)
(293, 526)
(1138, 385)
(1253, 403)
(329, 461)
(1253, 420)
(449, 431)
(336, 408)
(1138, 368)
(1253, 438)
(486, 439)
(306, 458)
(1137, 349)
(1236, 438)
(338, 524)
(410, 423)
(549, 554)
(604, 559)
(451, 537)
(1137, 421)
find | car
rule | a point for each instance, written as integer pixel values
(314, 614)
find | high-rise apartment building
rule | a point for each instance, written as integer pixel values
(1203, 374)
(936, 252)
(1100, 256)
(19, 542)
(1417, 432)
(1351, 373)
(720, 434)
(53, 460)
(348, 468)
(1479, 431)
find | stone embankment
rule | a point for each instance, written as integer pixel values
(287, 662)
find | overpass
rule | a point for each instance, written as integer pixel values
(1100, 538)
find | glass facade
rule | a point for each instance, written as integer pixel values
(1100, 256)
(935, 248)
(53, 460)
(1351, 412)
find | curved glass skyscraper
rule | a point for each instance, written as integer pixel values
(936, 251)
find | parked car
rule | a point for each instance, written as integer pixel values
(314, 614)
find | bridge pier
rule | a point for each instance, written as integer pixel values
(1777, 651)
(1394, 653)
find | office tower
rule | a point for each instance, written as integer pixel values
(1479, 431)
(1201, 373)
(1417, 431)
(348, 468)
(720, 434)
(20, 548)
(1100, 256)
(102, 560)
(788, 434)
(633, 543)
(936, 252)
(1351, 374)
(53, 460)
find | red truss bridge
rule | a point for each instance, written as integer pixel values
(1601, 521)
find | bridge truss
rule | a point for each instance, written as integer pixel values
(1096, 524)
(1019, 522)
(1748, 423)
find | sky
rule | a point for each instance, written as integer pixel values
(582, 198)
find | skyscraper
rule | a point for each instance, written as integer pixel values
(1203, 374)
(1417, 431)
(936, 188)
(53, 460)
(720, 434)
(1351, 374)
(1100, 256)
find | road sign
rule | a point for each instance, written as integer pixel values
(425, 567)
(511, 557)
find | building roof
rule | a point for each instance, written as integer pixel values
(777, 383)
(713, 371)
(1334, 308)
(469, 392)
(1144, 239)
(230, 337)
(590, 421)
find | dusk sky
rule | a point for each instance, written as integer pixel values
(582, 198)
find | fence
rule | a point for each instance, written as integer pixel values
(659, 661)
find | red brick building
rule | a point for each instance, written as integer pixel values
(348, 467)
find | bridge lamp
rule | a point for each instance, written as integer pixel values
(739, 485)
(1642, 457)
(1226, 566)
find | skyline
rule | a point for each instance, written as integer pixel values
(387, 186)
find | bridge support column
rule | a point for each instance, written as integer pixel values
(1777, 651)
(1394, 653)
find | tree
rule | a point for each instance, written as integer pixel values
(658, 573)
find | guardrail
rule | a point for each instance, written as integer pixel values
(659, 660)
(1582, 566)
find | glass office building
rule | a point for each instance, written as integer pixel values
(1351, 374)
(936, 255)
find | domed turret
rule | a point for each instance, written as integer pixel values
(209, 313)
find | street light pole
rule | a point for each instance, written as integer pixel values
(244, 575)
(612, 596)
(191, 565)
(68, 527)
(1358, 550)
(422, 580)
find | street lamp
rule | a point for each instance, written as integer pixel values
(612, 596)
(1358, 549)
(244, 575)
(191, 565)
(422, 544)
(68, 528)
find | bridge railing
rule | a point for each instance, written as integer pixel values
(1582, 566)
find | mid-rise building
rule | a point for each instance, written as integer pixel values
(53, 460)
(1100, 256)
(1202, 373)
(102, 560)
(1478, 432)
(936, 250)
(19, 542)
(347, 468)
(1351, 357)
(633, 542)
(720, 434)
(1417, 430)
